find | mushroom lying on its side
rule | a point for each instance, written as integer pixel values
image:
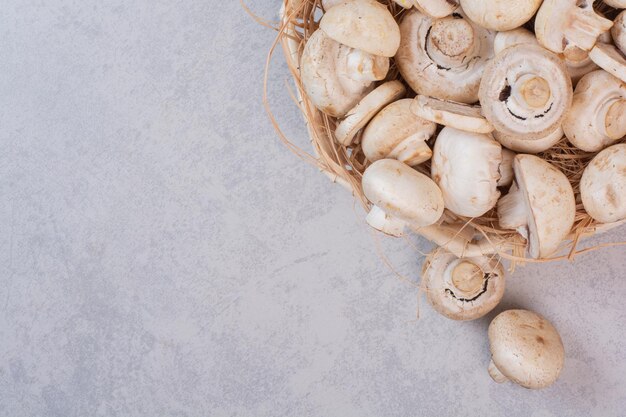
(366, 25)
(540, 205)
(467, 168)
(560, 23)
(396, 133)
(525, 92)
(610, 59)
(449, 113)
(400, 195)
(500, 15)
(525, 349)
(597, 117)
(618, 31)
(462, 288)
(443, 58)
(603, 185)
(335, 77)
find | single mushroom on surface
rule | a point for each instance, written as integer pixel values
(525, 349)
(396, 133)
(603, 185)
(366, 25)
(610, 59)
(618, 31)
(560, 23)
(500, 15)
(400, 195)
(449, 113)
(335, 77)
(366, 109)
(540, 205)
(443, 58)
(467, 168)
(462, 288)
(597, 117)
(525, 93)
(513, 37)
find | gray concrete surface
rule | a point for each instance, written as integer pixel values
(162, 254)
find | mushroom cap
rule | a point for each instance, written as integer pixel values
(362, 24)
(395, 133)
(618, 31)
(500, 15)
(523, 144)
(402, 192)
(548, 201)
(513, 37)
(562, 22)
(335, 77)
(449, 113)
(443, 58)
(465, 166)
(618, 4)
(597, 116)
(526, 348)
(525, 91)
(367, 108)
(603, 185)
(462, 288)
(610, 59)
(436, 8)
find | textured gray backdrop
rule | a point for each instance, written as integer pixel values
(161, 253)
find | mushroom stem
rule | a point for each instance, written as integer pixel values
(506, 168)
(495, 373)
(585, 27)
(466, 277)
(385, 223)
(532, 91)
(450, 40)
(362, 66)
(512, 210)
(612, 118)
(413, 150)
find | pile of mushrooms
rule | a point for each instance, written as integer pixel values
(484, 87)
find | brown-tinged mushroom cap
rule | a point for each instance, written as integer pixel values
(400, 195)
(462, 288)
(335, 77)
(449, 113)
(396, 133)
(367, 108)
(540, 205)
(525, 92)
(618, 31)
(563, 22)
(610, 59)
(443, 58)
(500, 15)
(597, 117)
(363, 24)
(603, 185)
(525, 348)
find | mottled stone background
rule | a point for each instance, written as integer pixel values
(161, 253)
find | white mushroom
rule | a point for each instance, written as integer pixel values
(449, 113)
(597, 117)
(436, 8)
(443, 58)
(335, 77)
(578, 61)
(610, 59)
(618, 31)
(603, 185)
(524, 145)
(400, 195)
(396, 133)
(560, 23)
(462, 288)
(513, 37)
(540, 205)
(525, 92)
(500, 15)
(525, 349)
(467, 168)
(366, 25)
(367, 108)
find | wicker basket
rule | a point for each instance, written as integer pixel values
(464, 237)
